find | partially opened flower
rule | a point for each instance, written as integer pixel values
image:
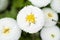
(51, 16)
(50, 33)
(40, 3)
(30, 19)
(9, 29)
(3, 4)
(55, 5)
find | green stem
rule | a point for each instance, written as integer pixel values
(34, 36)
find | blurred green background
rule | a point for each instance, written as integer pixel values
(12, 10)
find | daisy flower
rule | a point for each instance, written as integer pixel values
(51, 16)
(3, 4)
(40, 3)
(9, 29)
(50, 33)
(30, 19)
(55, 5)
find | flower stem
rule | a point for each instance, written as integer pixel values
(34, 36)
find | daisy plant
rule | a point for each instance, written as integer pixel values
(50, 16)
(30, 19)
(50, 33)
(9, 29)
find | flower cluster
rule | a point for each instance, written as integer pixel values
(32, 19)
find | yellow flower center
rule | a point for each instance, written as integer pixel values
(50, 15)
(52, 35)
(30, 18)
(6, 31)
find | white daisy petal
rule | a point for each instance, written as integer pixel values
(50, 33)
(30, 19)
(40, 3)
(9, 29)
(55, 5)
(3, 4)
(59, 36)
(50, 16)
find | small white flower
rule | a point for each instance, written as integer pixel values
(9, 29)
(3, 4)
(50, 16)
(30, 19)
(50, 33)
(40, 3)
(55, 5)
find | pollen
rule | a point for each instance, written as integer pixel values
(6, 31)
(50, 15)
(30, 18)
(52, 35)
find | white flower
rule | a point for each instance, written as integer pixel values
(40, 3)
(56, 5)
(30, 19)
(3, 4)
(50, 16)
(50, 33)
(9, 29)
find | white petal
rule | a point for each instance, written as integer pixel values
(54, 17)
(40, 3)
(55, 5)
(3, 4)
(14, 33)
(33, 28)
(48, 31)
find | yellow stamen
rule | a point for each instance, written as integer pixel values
(52, 35)
(50, 15)
(30, 18)
(6, 30)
